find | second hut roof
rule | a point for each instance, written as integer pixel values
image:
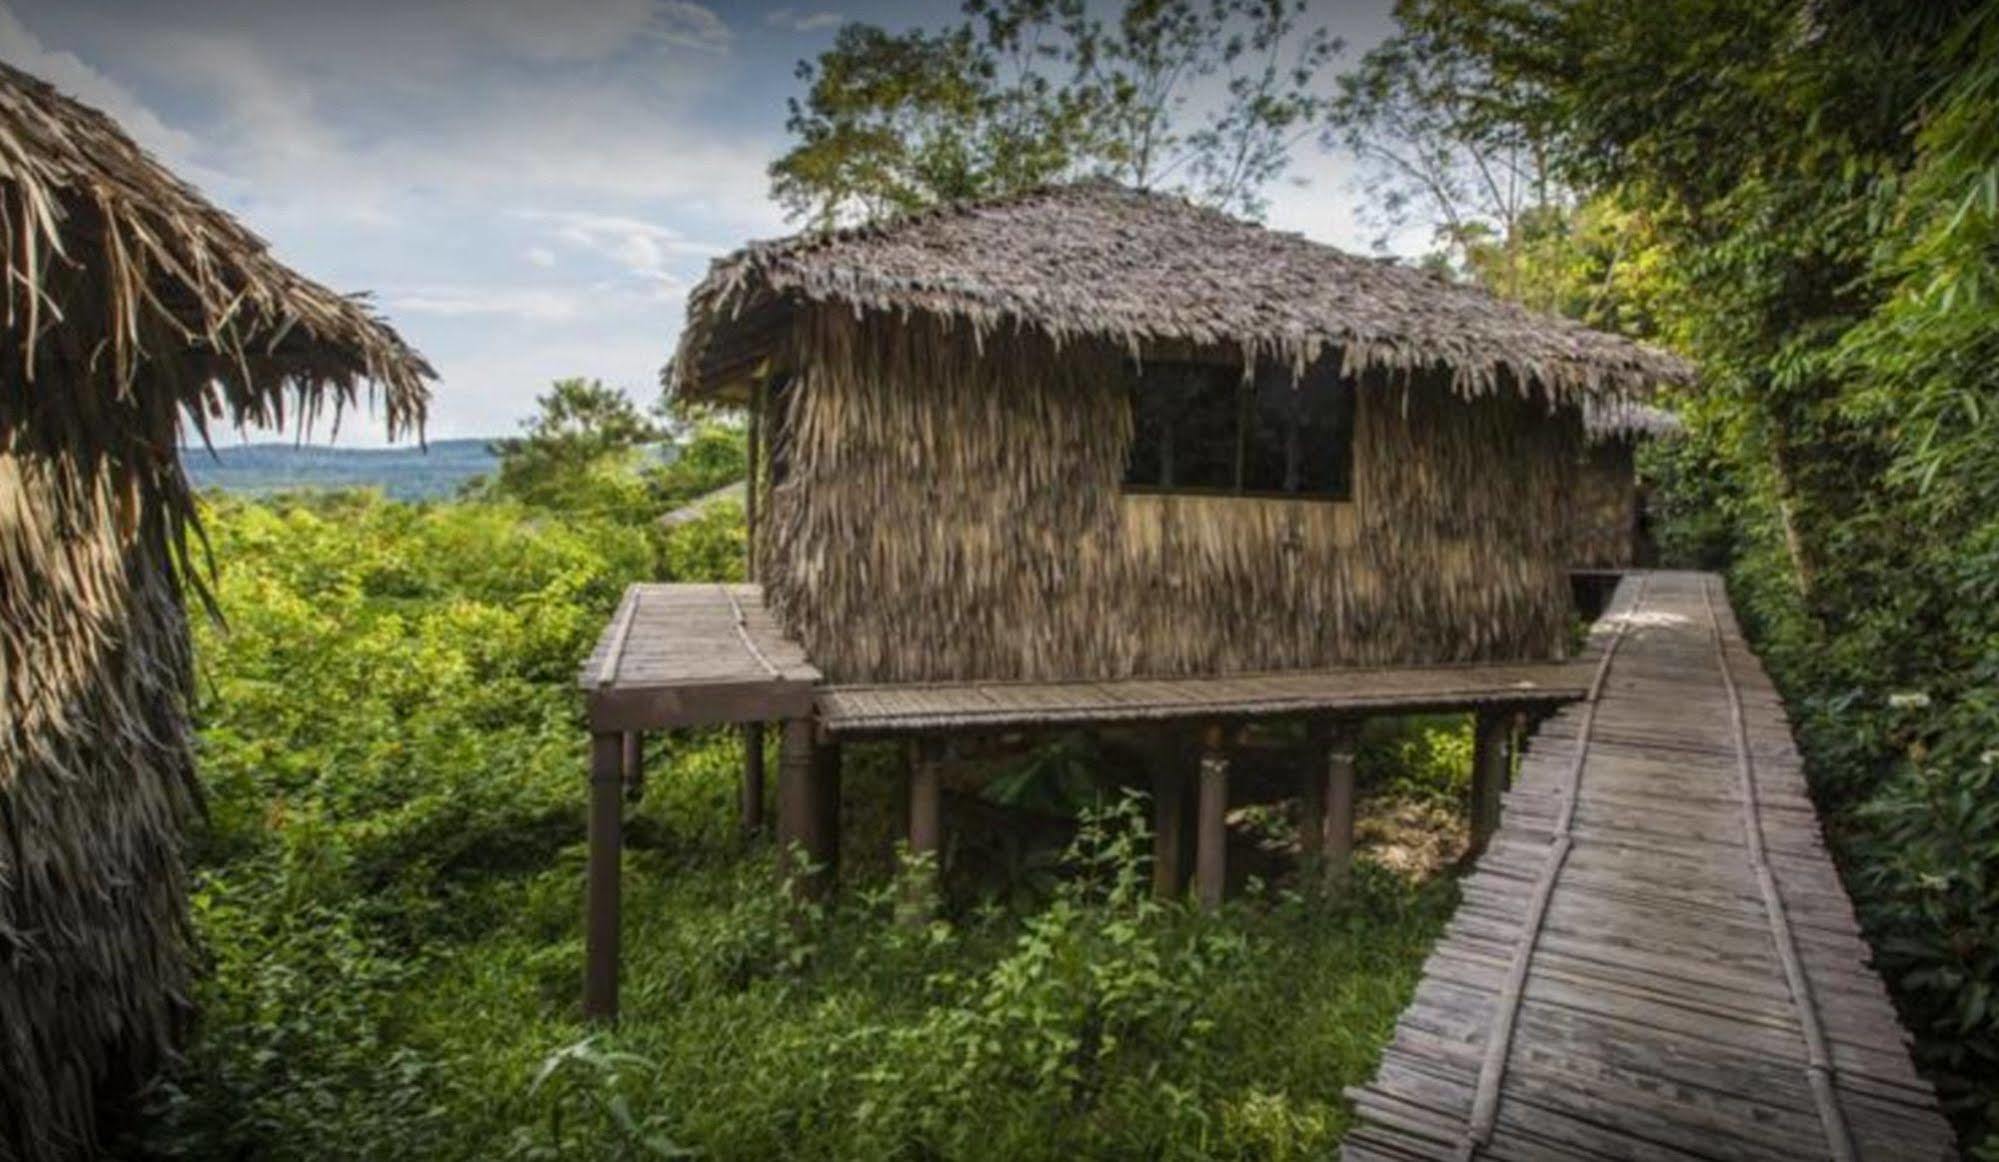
(110, 254)
(1095, 260)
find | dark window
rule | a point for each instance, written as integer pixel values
(1180, 409)
(1200, 428)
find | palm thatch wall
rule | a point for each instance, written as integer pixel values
(1605, 519)
(950, 508)
(1607, 504)
(131, 307)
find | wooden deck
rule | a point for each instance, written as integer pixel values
(1655, 957)
(938, 706)
(694, 655)
(679, 655)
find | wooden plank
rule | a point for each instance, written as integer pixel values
(1696, 984)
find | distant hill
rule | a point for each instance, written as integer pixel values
(403, 473)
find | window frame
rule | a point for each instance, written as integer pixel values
(1245, 407)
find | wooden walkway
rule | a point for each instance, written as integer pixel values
(1654, 958)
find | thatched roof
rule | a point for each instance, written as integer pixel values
(1613, 420)
(1095, 260)
(119, 262)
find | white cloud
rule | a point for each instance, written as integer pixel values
(66, 71)
(267, 113)
(525, 303)
(800, 21)
(574, 140)
(540, 256)
(641, 248)
(550, 30)
(690, 25)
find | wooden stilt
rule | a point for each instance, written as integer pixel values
(606, 843)
(826, 827)
(1338, 841)
(633, 764)
(926, 796)
(926, 822)
(797, 802)
(1169, 827)
(1212, 832)
(1312, 797)
(753, 778)
(1492, 769)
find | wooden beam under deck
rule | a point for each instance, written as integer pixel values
(883, 710)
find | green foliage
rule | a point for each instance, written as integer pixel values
(1427, 114)
(1102, 989)
(711, 547)
(1024, 92)
(1424, 760)
(579, 453)
(1058, 777)
(389, 887)
(713, 452)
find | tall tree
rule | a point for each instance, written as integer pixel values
(1203, 97)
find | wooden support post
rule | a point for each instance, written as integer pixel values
(753, 778)
(1337, 844)
(926, 796)
(926, 823)
(798, 813)
(606, 841)
(1312, 796)
(633, 763)
(1492, 770)
(1212, 829)
(826, 828)
(1169, 826)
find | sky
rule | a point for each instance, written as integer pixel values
(527, 188)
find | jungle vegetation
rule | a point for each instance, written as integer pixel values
(1801, 195)
(388, 884)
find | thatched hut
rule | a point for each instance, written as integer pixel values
(133, 306)
(1090, 456)
(1094, 433)
(1610, 521)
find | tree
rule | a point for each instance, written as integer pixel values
(1445, 134)
(578, 450)
(1203, 98)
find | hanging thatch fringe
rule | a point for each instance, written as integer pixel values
(1606, 503)
(1097, 262)
(951, 514)
(130, 304)
(1610, 419)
